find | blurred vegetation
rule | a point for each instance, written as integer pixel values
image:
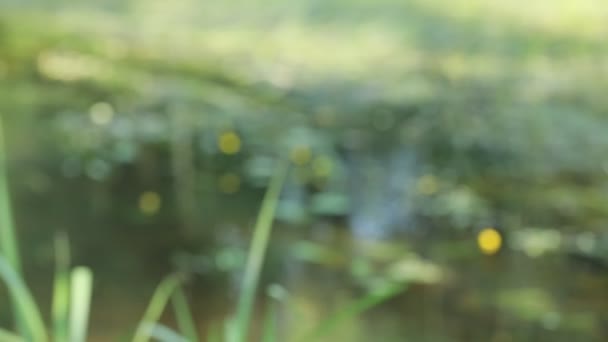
(148, 130)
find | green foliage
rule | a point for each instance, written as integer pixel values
(517, 107)
(26, 315)
(368, 301)
(72, 293)
(30, 320)
(183, 315)
(81, 288)
(257, 252)
(159, 300)
(61, 290)
(8, 241)
(9, 336)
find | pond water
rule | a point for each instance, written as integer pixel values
(315, 267)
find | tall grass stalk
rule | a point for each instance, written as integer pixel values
(31, 325)
(157, 305)
(61, 289)
(8, 239)
(163, 333)
(81, 288)
(271, 324)
(7, 336)
(329, 325)
(183, 315)
(214, 333)
(257, 252)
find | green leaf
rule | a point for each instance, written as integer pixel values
(163, 333)
(9, 336)
(185, 321)
(8, 241)
(257, 252)
(271, 325)
(82, 288)
(156, 307)
(358, 307)
(32, 324)
(61, 289)
(213, 334)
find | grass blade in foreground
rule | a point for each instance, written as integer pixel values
(82, 288)
(8, 241)
(213, 333)
(351, 311)
(156, 307)
(261, 235)
(8, 336)
(31, 323)
(183, 315)
(271, 324)
(163, 333)
(61, 289)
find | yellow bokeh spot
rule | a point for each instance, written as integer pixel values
(149, 202)
(229, 183)
(489, 241)
(427, 185)
(301, 155)
(322, 166)
(229, 143)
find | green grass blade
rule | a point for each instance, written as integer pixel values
(271, 325)
(156, 307)
(8, 240)
(163, 333)
(80, 303)
(213, 333)
(31, 320)
(358, 307)
(257, 252)
(8, 336)
(230, 330)
(61, 289)
(183, 315)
